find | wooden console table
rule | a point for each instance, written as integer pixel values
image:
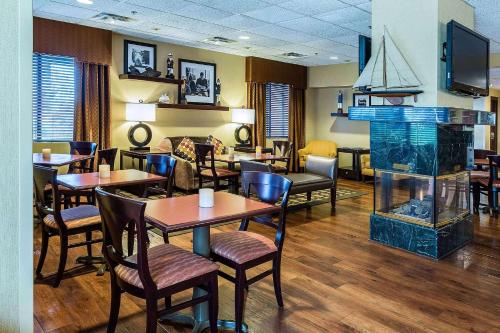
(353, 171)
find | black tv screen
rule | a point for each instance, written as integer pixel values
(467, 61)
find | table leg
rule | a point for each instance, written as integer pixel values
(141, 163)
(199, 321)
(121, 159)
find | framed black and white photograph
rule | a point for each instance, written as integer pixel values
(361, 100)
(138, 57)
(200, 81)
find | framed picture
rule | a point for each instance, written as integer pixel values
(200, 81)
(361, 100)
(138, 57)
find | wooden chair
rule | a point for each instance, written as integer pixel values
(83, 219)
(282, 148)
(208, 173)
(492, 184)
(478, 173)
(255, 166)
(242, 250)
(154, 273)
(107, 156)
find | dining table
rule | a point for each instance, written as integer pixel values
(184, 213)
(232, 160)
(58, 160)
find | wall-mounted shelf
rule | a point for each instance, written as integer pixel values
(193, 107)
(147, 78)
(338, 114)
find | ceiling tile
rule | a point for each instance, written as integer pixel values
(274, 14)
(348, 40)
(354, 2)
(313, 7)
(233, 6)
(202, 13)
(363, 27)
(74, 12)
(367, 7)
(161, 5)
(282, 33)
(102, 5)
(240, 22)
(348, 14)
(135, 12)
(190, 24)
(315, 27)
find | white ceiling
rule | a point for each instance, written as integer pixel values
(325, 31)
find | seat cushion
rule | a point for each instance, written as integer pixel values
(168, 265)
(221, 173)
(485, 182)
(300, 179)
(241, 246)
(475, 175)
(367, 172)
(76, 217)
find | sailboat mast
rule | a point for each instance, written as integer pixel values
(384, 59)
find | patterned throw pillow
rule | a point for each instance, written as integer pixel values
(185, 150)
(218, 145)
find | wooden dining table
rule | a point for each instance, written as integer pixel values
(184, 213)
(57, 160)
(232, 160)
(91, 180)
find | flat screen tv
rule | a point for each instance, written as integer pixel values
(365, 51)
(467, 61)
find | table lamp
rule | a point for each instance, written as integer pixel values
(243, 134)
(140, 112)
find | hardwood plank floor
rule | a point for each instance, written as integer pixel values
(334, 280)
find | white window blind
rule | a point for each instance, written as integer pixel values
(53, 97)
(277, 101)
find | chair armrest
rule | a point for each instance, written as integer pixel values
(184, 174)
(303, 152)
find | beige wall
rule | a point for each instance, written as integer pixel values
(173, 122)
(482, 133)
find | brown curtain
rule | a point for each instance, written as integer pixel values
(256, 99)
(296, 124)
(93, 111)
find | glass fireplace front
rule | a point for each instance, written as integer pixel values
(430, 201)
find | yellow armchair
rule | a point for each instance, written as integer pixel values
(366, 169)
(317, 148)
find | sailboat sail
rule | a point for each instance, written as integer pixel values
(387, 69)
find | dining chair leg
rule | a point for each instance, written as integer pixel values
(239, 299)
(130, 239)
(168, 302)
(213, 305)
(43, 251)
(165, 238)
(333, 196)
(490, 201)
(277, 280)
(309, 196)
(62, 260)
(476, 197)
(216, 184)
(114, 311)
(88, 238)
(152, 313)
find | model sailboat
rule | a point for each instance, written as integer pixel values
(388, 71)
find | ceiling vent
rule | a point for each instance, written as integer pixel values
(111, 18)
(219, 40)
(293, 55)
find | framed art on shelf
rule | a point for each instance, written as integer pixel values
(361, 100)
(199, 81)
(138, 57)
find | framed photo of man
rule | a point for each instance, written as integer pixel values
(200, 81)
(138, 57)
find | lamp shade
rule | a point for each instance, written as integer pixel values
(243, 116)
(140, 112)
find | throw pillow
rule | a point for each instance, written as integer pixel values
(185, 150)
(218, 145)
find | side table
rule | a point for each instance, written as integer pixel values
(140, 155)
(353, 171)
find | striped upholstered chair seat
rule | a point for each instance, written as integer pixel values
(169, 265)
(241, 246)
(81, 216)
(476, 175)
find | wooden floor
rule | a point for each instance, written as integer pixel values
(334, 280)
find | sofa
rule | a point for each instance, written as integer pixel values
(186, 177)
(317, 148)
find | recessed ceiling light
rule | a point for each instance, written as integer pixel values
(244, 37)
(334, 58)
(86, 2)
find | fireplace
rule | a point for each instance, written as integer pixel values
(422, 157)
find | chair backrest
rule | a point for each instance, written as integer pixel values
(47, 202)
(162, 165)
(322, 166)
(483, 153)
(494, 163)
(107, 156)
(117, 214)
(282, 148)
(270, 188)
(254, 166)
(82, 148)
(202, 151)
(322, 148)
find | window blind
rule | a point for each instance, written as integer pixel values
(277, 102)
(53, 97)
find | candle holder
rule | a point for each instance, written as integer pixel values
(206, 198)
(46, 153)
(104, 171)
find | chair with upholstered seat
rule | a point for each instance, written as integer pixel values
(491, 184)
(479, 172)
(208, 173)
(317, 148)
(107, 156)
(82, 219)
(366, 169)
(242, 250)
(153, 273)
(282, 148)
